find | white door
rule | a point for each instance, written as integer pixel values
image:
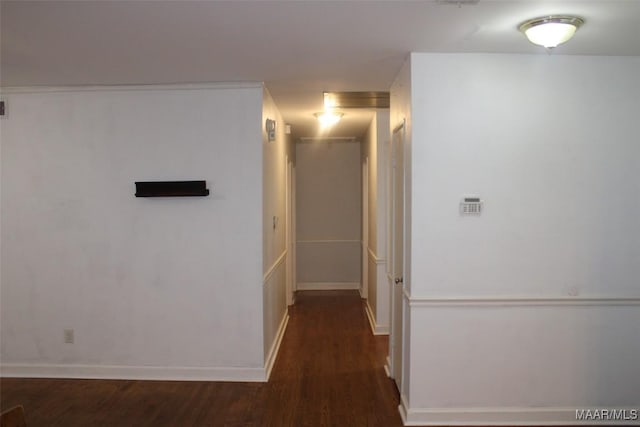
(396, 270)
(289, 234)
(364, 284)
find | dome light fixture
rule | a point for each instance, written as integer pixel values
(551, 31)
(328, 118)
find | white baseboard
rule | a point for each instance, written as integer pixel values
(118, 372)
(327, 286)
(402, 408)
(387, 366)
(375, 328)
(275, 347)
(499, 417)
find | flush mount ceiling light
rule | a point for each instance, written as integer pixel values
(328, 118)
(551, 31)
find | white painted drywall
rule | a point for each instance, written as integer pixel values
(374, 148)
(153, 287)
(400, 114)
(274, 248)
(369, 160)
(527, 356)
(328, 199)
(550, 144)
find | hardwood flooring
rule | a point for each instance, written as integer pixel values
(329, 372)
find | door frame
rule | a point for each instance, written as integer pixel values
(364, 282)
(290, 243)
(396, 291)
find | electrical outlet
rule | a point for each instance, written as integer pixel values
(68, 336)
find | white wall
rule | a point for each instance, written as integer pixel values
(328, 199)
(275, 156)
(530, 310)
(374, 151)
(153, 287)
(400, 114)
(557, 172)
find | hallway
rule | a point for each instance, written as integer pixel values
(329, 372)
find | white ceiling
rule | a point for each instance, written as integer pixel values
(299, 48)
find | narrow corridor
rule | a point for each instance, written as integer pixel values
(330, 370)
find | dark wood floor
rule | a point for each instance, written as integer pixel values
(329, 373)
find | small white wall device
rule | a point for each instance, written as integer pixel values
(471, 205)
(270, 127)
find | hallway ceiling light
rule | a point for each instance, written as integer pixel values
(328, 118)
(551, 31)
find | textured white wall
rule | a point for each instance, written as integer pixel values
(170, 283)
(273, 241)
(550, 144)
(370, 154)
(374, 149)
(382, 165)
(401, 112)
(328, 198)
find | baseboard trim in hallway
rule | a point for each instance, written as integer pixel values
(507, 416)
(275, 347)
(120, 372)
(327, 286)
(375, 328)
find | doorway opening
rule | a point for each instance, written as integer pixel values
(344, 196)
(396, 253)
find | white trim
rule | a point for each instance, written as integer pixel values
(327, 286)
(144, 87)
(273, 268)
(498, 416)
(375, 328)
(329, 241)
(275, 347)
(387, 365)
(121, 372)
(360, 292)
(375, 259)
(518, 301)
(294, 246)
(403, 409)
(386, 370)
(289, 231)
(364, 246)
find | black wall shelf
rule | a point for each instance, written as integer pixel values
(171, 189)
